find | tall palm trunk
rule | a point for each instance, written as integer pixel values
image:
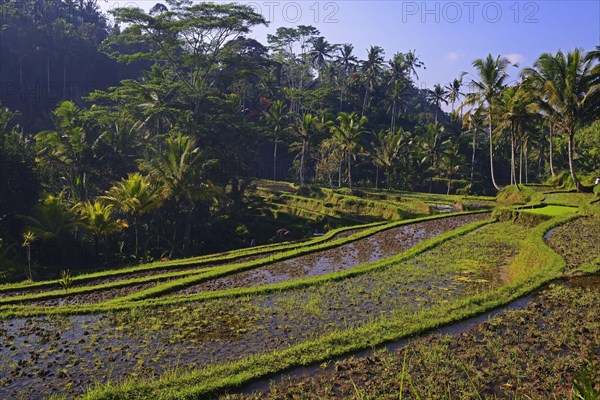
(135, 231)
(513, 178)
(349, 172)
(393, 122)
(521, 165)
(376, 177)
(188, 229)
(551, 147)
(275, 161)
(365, 101)
(492, 153)
(473, 156)
(571, 166)
(302, 156)
(525, 157)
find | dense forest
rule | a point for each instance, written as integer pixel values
(139, 141)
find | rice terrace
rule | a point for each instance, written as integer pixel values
(202, 201)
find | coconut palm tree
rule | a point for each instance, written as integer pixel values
(320, 52)
(411, 63)
(178, 171)
(398, 82)
(347, 132)
(134, 195)
(451, 161)
(51, 219)
(475, 123)
(567, 86)
(513, 113)
(371, 68)
(489, 82)
(97, 218)
(70, 148)
(304, 128)
(453, 90)
(385, 153)
(275, 117)
(346, 59)
(433, 143)
(437, 96)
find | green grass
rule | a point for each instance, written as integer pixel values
(200, 383)
(197, 262)
(146, 297)
(551, 211)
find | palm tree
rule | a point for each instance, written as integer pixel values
(433, 143)
(437, 96)
(488, 84)
(386, 150)
(28, 239)
(371, 68)
(451, 162)
(346, 59)
(411, 63)
(398, 82)
(567, 86)
(51, 220)
(512, 111)
(97, 218)
(474, 122)
(453, 90)
(347, 62)
(321, 51)
(303, 129)
(70, 148)
(347, 134)
(275, 116)
(177, 170)
(134, 195)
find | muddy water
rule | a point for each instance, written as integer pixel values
(64, 354)
(302, 374)
(376, 247)
(92, 298)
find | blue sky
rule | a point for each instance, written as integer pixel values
(447, 35)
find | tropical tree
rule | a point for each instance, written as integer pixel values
(178, 171)
(513, 114)
(433, 143)
(69, 149)
(489, 82)
(474, 122)
(28, 239)
(188, 40)
(385, 153)
(453, 90)
(371, 69)
(398, 83)
(347, 63)
(437, 96)
(97, 218)
(303, 129)
(275, 116)
(568, 87)
(51, 219)
(134, 195)
(347, 132)
(320, 52)
(451, 162)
